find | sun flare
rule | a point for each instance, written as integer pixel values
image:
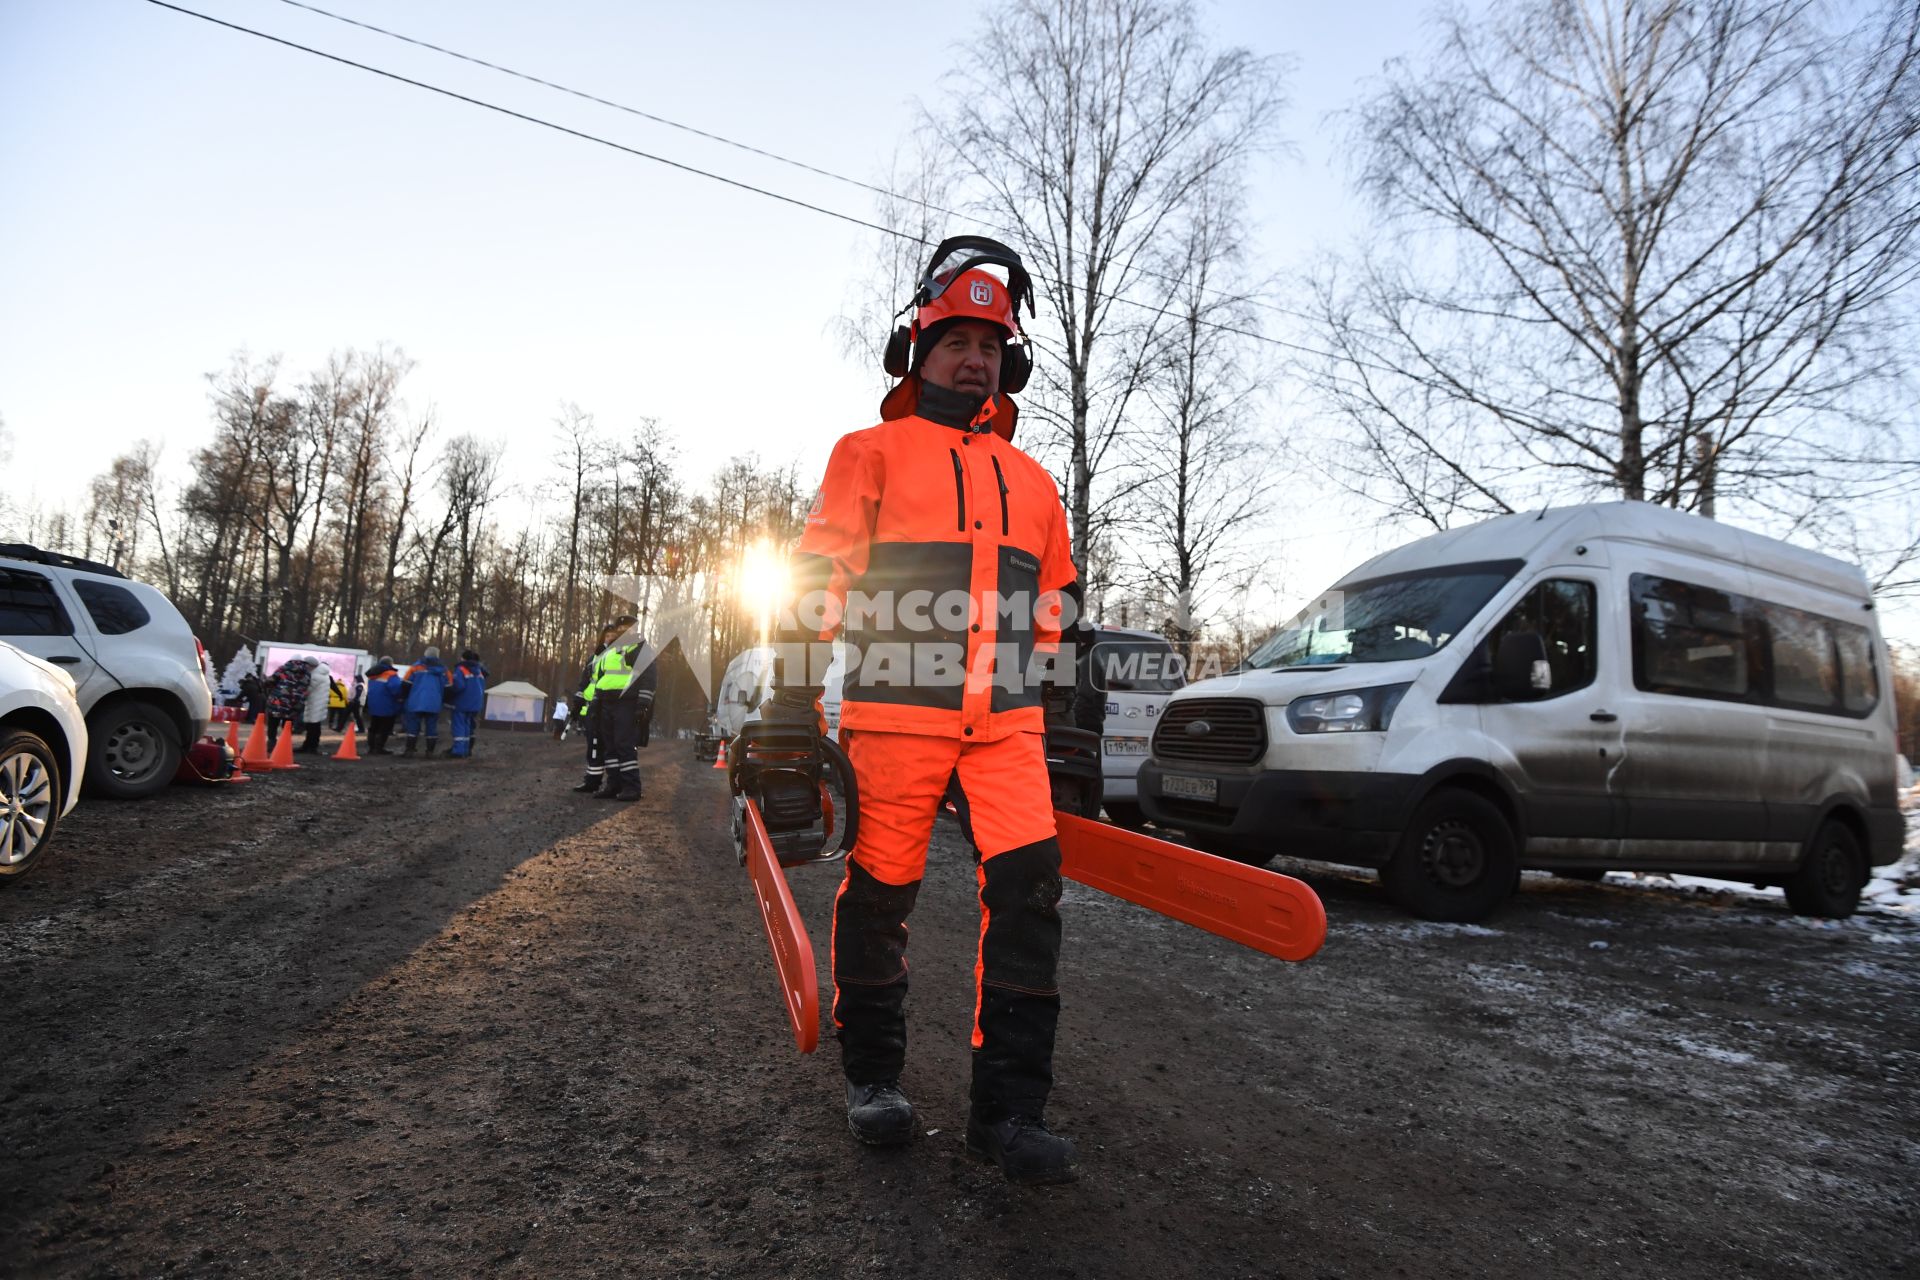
(761, 583)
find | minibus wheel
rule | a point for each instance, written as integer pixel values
(1830, 877)
(1456, 862)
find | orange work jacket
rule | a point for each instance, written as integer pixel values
(941, 555)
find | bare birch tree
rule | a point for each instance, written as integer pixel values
(365, 477)
(409, 475)
(576, 446)
(914, 207)
(1086, 128)
(122, 505)
(469, 481)
(1648, 248)
(1199, 488)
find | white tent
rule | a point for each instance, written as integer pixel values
(515, 701)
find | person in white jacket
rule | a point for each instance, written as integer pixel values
(314, 717)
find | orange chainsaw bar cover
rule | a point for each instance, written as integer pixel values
(786, 934)
(1254, 907)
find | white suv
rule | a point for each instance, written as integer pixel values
(135, 663)
(43, 739)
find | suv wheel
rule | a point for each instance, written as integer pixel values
(30, 795)
(1456, 861)
(1830, 877)
(132, 752)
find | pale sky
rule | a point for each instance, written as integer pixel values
(174, 191)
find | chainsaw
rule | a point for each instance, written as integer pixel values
(796, 803)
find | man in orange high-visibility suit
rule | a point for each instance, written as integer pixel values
(940, 553)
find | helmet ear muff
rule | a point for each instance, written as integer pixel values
(1016, 366)
(897, 359)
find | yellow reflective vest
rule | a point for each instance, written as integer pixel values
(611, 671)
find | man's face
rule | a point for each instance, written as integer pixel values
(966, 359)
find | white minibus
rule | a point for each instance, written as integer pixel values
(1611, 686)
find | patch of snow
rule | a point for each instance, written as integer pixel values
(1878, 974)
(1587, 922)
(1423, 929)
(1520, 980)
(1700, 1050)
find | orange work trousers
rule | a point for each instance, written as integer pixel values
(1003, 796)
(1002, 793)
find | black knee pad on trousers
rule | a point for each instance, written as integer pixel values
(1019, 998)
(870, 974)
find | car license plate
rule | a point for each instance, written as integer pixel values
(1175, 784)
(1126, 746)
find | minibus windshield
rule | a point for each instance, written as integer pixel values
(1387, 619)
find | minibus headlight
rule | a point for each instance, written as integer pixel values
(1352, 711)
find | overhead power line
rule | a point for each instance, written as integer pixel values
(776, 157)
(703, 173)
(545, 124)
(621, 106)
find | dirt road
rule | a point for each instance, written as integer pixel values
(448, 1019)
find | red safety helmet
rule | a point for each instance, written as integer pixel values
(973, 295)
(957, 286)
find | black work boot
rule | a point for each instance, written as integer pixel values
(609, 786)
(629, 788)
(413, 741)
(433, 745)
(1030, 1154)
(589, 786)
(879, 1114)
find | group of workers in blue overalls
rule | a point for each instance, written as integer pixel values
(417, 694)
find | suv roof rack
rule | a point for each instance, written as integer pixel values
(55, 559)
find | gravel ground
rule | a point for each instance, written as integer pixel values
(445, 1018)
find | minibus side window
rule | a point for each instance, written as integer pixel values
(1698, 642)
(1561, 612)
(1859, 683)
(1806, 666)
(1690, 640)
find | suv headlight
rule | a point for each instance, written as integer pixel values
(1355, 710)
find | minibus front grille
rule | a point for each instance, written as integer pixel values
(1235, 731)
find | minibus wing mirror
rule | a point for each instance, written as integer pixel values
(1519, 665)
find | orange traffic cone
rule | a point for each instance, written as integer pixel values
(254, 758)
(282, 757)
(720, 760)
(347, 751)
(233, 736)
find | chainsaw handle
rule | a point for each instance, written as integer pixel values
(836, 760)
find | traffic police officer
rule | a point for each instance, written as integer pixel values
(624, 680)
(583, 704)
